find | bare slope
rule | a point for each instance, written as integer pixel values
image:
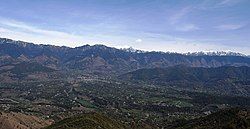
(21, 121)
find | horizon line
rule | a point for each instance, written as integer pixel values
(135, 50)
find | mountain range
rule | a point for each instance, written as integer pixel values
(103, 60)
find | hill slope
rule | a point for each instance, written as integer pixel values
(183, 73)
(87, 121)
(227, 79)
(23, 71)
(21, 121)
(226, 119)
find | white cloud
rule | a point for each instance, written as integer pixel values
(21, 31)
(228, 2)
(3, 30)
(179, 15)
(177, 19)
(28, 28)
(187, 27)
(215, 4)
(230, 26)
(138, 40)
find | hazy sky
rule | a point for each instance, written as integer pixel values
(161, 25)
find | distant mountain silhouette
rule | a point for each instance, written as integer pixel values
(100, 59)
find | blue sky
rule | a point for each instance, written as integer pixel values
(160, 25)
